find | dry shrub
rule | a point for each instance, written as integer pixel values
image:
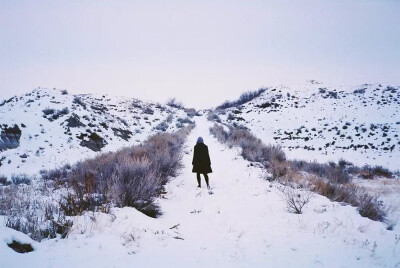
(132, 176)
(175, 104)
(218, 132)
(279, 169)
(21, 179)
(4, 180)
(367, 205)
(382, 172)
(244, 97)
(27, 212)
(252, 148)
(296, 200)
(211, 116)
(329, 179)
(336, 173)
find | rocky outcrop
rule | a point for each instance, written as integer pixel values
(122, 133)
(74, 121)
(9, 138)
(95, 142)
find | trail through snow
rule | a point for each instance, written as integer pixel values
(243, 224)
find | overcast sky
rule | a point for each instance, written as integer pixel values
(201, 52)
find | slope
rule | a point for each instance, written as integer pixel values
(49, 128)
(315, 122)
(243, 224)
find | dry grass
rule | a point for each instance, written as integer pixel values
(132, 176)
(252, 148)
(26, 212)
(331, 180)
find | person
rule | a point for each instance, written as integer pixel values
(201, 161)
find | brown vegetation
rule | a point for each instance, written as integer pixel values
(331, 180)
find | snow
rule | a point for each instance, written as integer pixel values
(306, 107)
(51, 144)
(243, 224)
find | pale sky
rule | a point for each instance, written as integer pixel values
(201, 52)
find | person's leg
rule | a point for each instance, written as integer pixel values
(206, 178)
(198, 180)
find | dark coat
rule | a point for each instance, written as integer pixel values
(201, 159)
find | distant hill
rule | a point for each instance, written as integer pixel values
(314, 122)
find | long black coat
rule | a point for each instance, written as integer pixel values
(201, 159)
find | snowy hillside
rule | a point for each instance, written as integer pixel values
(243, 223)
(314, 122)
(48, 128)
(140, 206)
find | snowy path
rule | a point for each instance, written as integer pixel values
(243, 224)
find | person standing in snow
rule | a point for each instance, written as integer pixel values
(201, 161)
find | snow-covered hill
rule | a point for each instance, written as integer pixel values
(47, 128)
(314, 122)
(244, 223)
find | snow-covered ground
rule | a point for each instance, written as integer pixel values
(244, 223)
(360, 124)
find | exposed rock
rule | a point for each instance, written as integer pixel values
(23, 156)
(1, 160)
(100, 108)
(74, 121)
(122, 133)
(95, 142)
(148, 110)
(9, 138)
(20, 247)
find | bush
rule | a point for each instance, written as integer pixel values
(245, 97)
(185, 120)
(4, 180)
(230, 117)
(148, 110)
(163, 126)
(58, 174)
(295, 201)
(169, 118)
(25, 212)
(213, 117)
(132, 176)
(252, 148)
(48, 111)
(78, 100)
(175, 104)
(367, 205)
(55, 114)
(382, 172)
(64, 92)
(20, 179)
(330, 179)
(333, 172)
(359, 91)
(191, 112)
